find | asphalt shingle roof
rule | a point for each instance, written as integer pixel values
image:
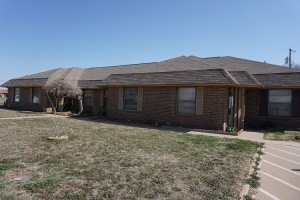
(45, 74)
(279, 80)
(244, 78)
(86, 84)
(25, 82)
(209, 76)
(252, 67)
(235, 70)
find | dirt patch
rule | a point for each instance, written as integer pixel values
(269, 136)
(287, 137)
(282, 135)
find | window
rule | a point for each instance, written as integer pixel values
(280, 103)
(17, 94)
(130, 98)
(87, 97)
(186, 102)
(35, 95)
(105, 98)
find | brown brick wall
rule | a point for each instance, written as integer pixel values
(26, 104)
(25, 101)
(252, 118)
(159, 105)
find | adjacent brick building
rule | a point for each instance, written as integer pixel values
(3, 93)
(193, 92)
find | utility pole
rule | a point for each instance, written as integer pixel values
(290, 56)
(290, 59)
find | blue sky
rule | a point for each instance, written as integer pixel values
(40, 35)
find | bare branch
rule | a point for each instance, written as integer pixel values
(61, 89)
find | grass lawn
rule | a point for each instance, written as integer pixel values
(2, 99)
(282, 135)
(107, 161)
(7, 113)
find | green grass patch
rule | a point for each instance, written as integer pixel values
(9, 163)
(247, 197)
(241, 145)
(253, 183)
(282, 135)
(40, 186)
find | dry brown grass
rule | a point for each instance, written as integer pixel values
(8, 113)
(106, 161)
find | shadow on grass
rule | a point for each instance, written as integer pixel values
(148, 126)
(20, 110)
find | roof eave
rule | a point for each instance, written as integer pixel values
(172, 85)
(274, 87)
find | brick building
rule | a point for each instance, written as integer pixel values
(192, 92)
(3, 93)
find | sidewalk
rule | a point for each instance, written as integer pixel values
(253, 135)
(257, 136)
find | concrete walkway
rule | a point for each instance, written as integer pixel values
(280, 167)
(251, 135)
(280, 173)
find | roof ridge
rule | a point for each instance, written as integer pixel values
(120, 65)
(72, 74)
(220, 63)
(215, 62)
(57, 74)
(26, 77)
(197, 59)
(22, 78)
(252, 78)
(261, 62)
(136, 63)
(228, 76)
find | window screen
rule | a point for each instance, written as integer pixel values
(105, 98)
(17, 94)
(186, 100)
(130, 98)
(35, 96)
(280, 103)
